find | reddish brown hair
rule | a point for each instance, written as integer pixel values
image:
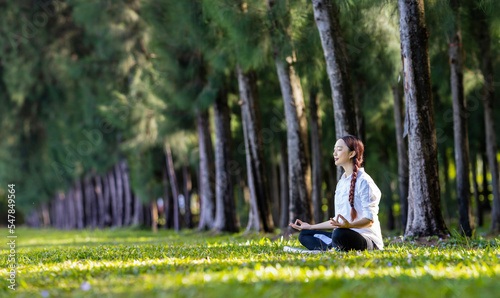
(354, 144)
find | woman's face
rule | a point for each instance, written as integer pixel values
(341, 153)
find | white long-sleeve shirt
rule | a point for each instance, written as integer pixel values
(366, 200)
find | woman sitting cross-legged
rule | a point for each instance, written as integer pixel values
(356, 225)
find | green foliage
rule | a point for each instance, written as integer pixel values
(140, 263)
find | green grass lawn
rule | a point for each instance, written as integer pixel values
(134, 263)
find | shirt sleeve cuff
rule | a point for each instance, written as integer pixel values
(367, 213)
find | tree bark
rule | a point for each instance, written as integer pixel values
(137, 211)
(173, 186)
(424, 209)
(337, 66)
(79, 205)
(403, 170)
(106, 201)
(284, 194)
(113, 197)
(300, 203)
(207, 170)
(154, 216)
(254, 148)
(188, 217)
(127, 199)
(90, 201)
(46, 215)
(461, 137)
(225, 213)
(70, 197)
(482, 35)
(299, 169)
(479, 206)
(100, 201)
(65, 208)
(168, 203)
(118, 215)
(317, 170)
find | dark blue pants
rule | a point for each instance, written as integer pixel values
(342, 239)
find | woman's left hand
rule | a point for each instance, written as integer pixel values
(336, 223)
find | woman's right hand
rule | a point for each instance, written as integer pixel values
(300, 225)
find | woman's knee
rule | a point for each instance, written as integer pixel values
(304, 234)
(340, 233)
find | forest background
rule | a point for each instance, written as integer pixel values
(111, 109)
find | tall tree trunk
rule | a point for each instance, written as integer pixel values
(63, 198)
(252, 131)
(127, 199)
(300, 203)
(106, 200)
(168, 203)
(113, 197)
(80, 224)
(424, 209)
(100, 201)
(461, 137)
(397, 93)
(188, 217)
(90, 200)
(70, 197)
(299, 168)
(337, 66)
(118, 216)
(482, 35)
(137, 211)
(317, 170)
(225, 213)
(154, 215)
(275, 191)
(46, 215)
(94, 204)
(173, 185)
(254, 222)
(479, 206)
(207, 170)
(285, 194)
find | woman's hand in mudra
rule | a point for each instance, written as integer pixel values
(300, 225)
(337, 224)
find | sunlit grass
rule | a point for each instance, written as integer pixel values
(136, 263)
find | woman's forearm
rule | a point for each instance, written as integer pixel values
(361, 224)
(326, 225)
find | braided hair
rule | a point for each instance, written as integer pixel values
(354, 144)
